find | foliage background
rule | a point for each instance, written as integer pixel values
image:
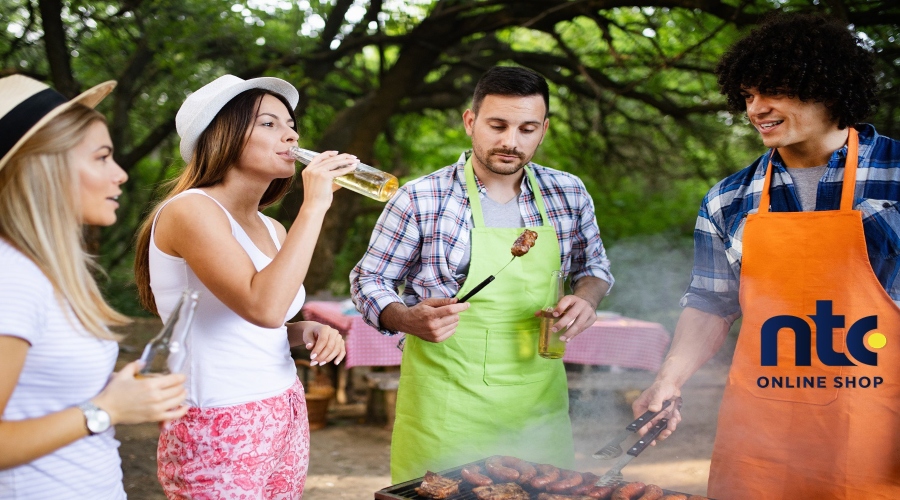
(635, 108)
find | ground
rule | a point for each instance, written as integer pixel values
(349, 459)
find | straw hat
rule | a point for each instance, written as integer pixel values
(202, 106)
(26, 105)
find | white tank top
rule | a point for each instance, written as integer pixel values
(230, 361)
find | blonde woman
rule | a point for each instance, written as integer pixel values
(57, 398)
(247, 432)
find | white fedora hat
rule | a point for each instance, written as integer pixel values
(202, 106)
(26, 105)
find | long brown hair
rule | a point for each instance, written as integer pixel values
(40, 215)
(219, 148)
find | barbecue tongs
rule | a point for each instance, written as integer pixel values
(613, 448)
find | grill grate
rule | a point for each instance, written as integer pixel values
(407, 490)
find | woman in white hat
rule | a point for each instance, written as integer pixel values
(57, 399)
(246, 434)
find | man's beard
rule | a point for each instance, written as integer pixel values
(501, 168)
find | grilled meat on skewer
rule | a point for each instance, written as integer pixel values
(524, 243)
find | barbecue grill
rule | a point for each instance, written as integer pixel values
(407, 490)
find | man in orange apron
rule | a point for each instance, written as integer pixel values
(472, 384)
(804, 244)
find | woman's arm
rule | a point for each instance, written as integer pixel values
(196, 229)
(126, 399)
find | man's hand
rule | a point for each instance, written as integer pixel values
(434, 319)
(652, 399)
(574, 314)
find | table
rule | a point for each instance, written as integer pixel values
(613, 341)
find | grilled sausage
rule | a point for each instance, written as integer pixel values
(527, 472)
(567, 479)
(497, 470)
(652, 492)
(696, 497)
(674, 497)
(587, 484)
(629, 491)
(601, 492)
(546, 475)
(472, 475)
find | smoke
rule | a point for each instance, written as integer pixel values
(651, 273)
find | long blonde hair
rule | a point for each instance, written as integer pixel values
(218, 149)
(39, 215)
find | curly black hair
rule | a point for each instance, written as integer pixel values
(808, 56)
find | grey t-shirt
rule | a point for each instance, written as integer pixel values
(806, 184)
(495, 215)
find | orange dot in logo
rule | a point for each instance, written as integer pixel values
(876, 340)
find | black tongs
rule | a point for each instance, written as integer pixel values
(613, 448)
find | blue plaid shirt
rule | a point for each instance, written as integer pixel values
(424, 230)
(720, 224)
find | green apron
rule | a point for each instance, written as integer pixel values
(484, 391)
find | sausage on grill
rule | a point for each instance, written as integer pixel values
(629, 491)
(500, 469)
(568, 479)
(587, 484)
(472, 475)
(652, 492)
(601, 492)
(546, 475)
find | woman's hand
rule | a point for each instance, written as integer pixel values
(326, 343)
(318, 176)
(130, 400)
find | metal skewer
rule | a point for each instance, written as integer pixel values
(484, 283)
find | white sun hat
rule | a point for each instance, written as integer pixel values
(202, 106)
(26, 105)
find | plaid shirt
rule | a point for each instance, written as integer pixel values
(424, 230)
(720, 224)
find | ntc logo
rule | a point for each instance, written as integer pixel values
(826, 322)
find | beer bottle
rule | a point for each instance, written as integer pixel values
(166, 352)
(365, 180)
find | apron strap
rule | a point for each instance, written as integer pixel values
(475, 201)
(536, 189)
(472, 191)
(848, 190)
(848, 193)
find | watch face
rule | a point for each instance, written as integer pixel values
(97, 420)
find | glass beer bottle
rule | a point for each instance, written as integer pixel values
(365, 180)
(549, 345)
(165, 353)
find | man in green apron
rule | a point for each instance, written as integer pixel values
(472, 384)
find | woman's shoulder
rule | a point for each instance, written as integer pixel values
(193, 206)
(16, 267)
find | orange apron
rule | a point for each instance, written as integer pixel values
(787, 429)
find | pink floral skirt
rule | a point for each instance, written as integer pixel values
(251, 451)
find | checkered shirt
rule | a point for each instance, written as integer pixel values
(423, 232)
(720, 224)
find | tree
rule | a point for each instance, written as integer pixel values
(636, 111)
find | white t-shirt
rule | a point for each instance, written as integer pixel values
(229, 361)
(65, 366)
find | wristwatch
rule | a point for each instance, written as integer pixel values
(95, 418)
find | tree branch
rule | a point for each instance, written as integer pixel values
(57, 48)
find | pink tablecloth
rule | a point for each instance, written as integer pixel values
(620, 341)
